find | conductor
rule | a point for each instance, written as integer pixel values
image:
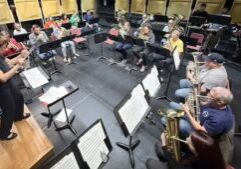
(11, 99)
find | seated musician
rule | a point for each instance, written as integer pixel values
(74, 20)
(201, 11)
(37, 38)
(18, 30)
(60, 32)
(212, 74)
(145, 20)
(170, 26)
(13, 46)
(64, 19)
(49, 23)
(123, 47)
(205, 151)
(147, 35)
(88, 17)
(173, 42)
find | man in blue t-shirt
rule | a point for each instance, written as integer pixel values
(216, 117)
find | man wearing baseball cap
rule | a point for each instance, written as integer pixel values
(211, 74)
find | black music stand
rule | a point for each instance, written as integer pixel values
(99, 38)
(22, 37)
(48, 31)
(69, 52)
(219, 19)
(49, 46)
(87, 33)
(196, 21)
(172, 67)
(81, 24)
(132, 144)
(94, 21)
(161, 18)
(66, 26)
(71, 88)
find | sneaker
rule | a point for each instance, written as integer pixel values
(65, 60)
(139, 62)
(76, 54)
(75, 57)
(143, 68)
(68, 60)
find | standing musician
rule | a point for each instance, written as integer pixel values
(37, 38)
(11, 99)
(13, 46)
(146, 34)
(201, 11)
(123, 47)
(206, 154)
(60, 32)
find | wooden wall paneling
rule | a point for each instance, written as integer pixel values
(235, 11)
(69, 6)
(156, 7)
(88, 5)
(182, 7)
(28, 10)
(6, 14)
(213, 6)
(122, 5)
(138, 6)
(51, 8)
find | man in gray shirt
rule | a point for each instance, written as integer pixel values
(211, 74)
(37, 38)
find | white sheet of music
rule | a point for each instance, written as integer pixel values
(67, 162)
(35, 77)
(151, 83)
(134, 109)
(53, 94)
(92, 144)
(177, 60)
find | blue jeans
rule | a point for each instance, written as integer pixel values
(46, 56)
(185, 127)
(185, 88)
(122, 48)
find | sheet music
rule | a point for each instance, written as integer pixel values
(134, 109)
(53, 94)
(67, 162)
(35, 77)
(177, 60)
(92, 145)
(152, 83)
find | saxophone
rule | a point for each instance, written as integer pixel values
(172, 131)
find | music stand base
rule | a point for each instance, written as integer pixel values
(72, 62)
(50, 116)
(55, 71)
(164, 98)
(68, 126)
(130, 148)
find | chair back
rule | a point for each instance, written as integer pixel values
(198, 36)
(76, 31)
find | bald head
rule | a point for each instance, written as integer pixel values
(221, 95)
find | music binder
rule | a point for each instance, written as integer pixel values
(94, 20)
(66, 26)
(81, 24)
(22, 37)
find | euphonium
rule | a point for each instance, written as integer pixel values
(172, 130)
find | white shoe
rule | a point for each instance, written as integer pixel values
(68, 60)
(139, 62)
(65, 60)
(76, 54)
(142, 69)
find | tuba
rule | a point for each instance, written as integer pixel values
(172, 131)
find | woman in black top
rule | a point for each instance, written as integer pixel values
(206, 154)
(11, 99)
